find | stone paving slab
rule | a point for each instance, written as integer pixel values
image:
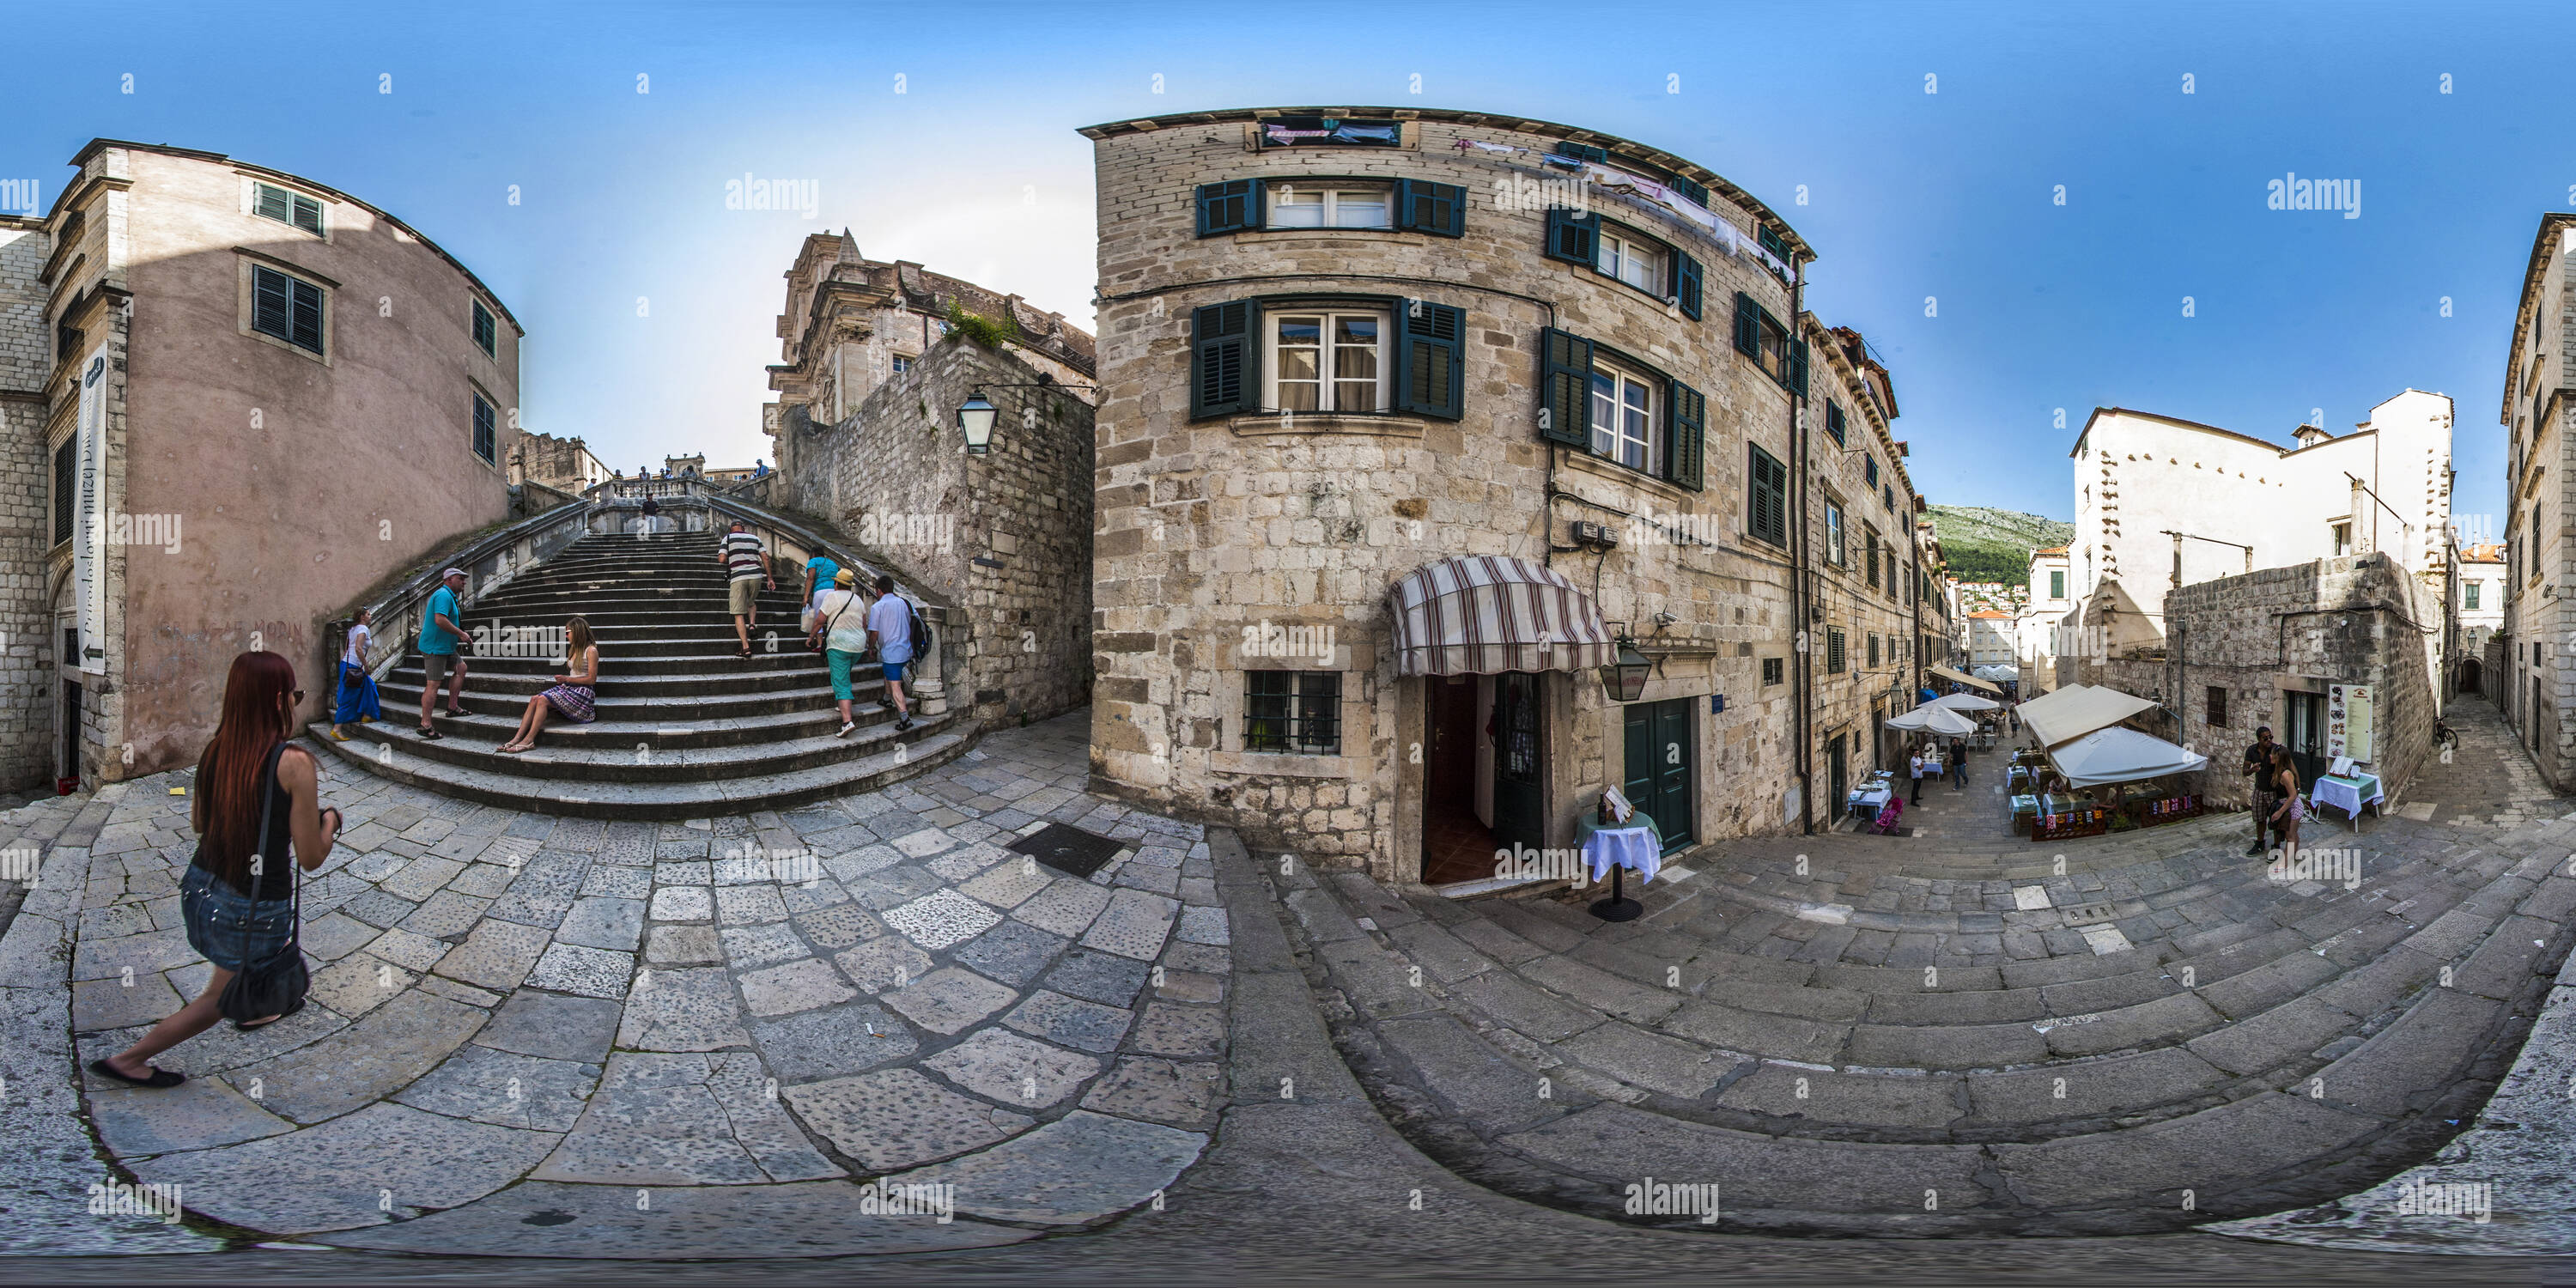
(747, 1222)
(898, 1118)
(1078, 1169)
(334, 1176)
(366, 1062)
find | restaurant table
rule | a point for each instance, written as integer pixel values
(2018, 779)
(2348, 794)
(2024, 806)
(1615, 850)
(1869, 799)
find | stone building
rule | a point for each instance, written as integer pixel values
(1005, 534)
(1406, 416)
(853, 323)
(2537, 685)
(236, 398)
(562, 463)
(1990, 638)
(2477, 610)
(2332, 654)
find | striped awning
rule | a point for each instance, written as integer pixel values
(1484, 615)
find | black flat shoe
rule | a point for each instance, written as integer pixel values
(161, 1079)
(428, 734)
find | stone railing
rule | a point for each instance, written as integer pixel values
(489, 563)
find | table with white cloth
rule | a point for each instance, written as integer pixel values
(2348, 794)
(1869, 800)
(1626, 847)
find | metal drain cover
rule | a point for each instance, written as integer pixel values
(1068, 849)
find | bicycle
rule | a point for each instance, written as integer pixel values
(2444, 736)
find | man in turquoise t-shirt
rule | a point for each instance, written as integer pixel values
(439, 633)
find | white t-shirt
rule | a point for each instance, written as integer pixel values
(843, 621)
(358, 636)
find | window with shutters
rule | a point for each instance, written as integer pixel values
(286, 207)
(2057, 583)
(1834, 551)
(486, 331)
(1773, 670)
(1626, 426)
(1871, 535)
(1869, 469)
(1873, 648)
(2217, 707)
(486, 431)
(1840, 429)
(67, 343)
(286, 308)
(66, 487)
(1766, 509)
(1833, 650)
(1759, 336)
(1295, 205)
(1887, 496)
(2470, 591)
(1327, 361)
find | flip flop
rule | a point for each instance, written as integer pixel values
(257, 1024)
(161, 1079)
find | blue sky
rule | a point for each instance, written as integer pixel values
(974, 169)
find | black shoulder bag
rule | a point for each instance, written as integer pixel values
(276, 986)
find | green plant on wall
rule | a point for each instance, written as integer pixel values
(992, 333)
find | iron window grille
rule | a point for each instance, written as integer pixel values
(1298, 712)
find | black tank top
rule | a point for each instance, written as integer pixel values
(275, 881)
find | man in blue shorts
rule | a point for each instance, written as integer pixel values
(890, 634)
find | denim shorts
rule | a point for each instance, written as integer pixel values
(227, 927)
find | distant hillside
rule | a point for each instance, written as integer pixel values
(1994, 545)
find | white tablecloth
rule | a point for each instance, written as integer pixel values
(1628, 847)
(2348, 794)
(1871, 799)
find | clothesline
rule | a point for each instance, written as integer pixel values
(1377, 133)
(1726, 234)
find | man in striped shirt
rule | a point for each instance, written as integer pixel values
(744, 558)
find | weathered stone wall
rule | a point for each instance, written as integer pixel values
(563, 463)
(1211, 527)
(1006, 534)
(27, 647)
(2334, 621)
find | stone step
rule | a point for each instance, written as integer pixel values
(679, 700)
(701, 797)
(490, 681)
(613, 751)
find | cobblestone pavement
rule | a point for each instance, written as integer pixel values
(1969, 1033)
(519, 1020)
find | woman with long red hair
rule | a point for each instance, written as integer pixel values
(237, 897)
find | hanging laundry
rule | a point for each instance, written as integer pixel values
(1380, 133)
(1481, 146)
(1282, 134)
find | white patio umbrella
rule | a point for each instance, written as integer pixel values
(1966, 702)
(1933, 718)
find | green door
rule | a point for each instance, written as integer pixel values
(1660, 763)
(1520, 785)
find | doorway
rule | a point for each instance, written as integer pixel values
(1662, 763)
(1456, 844)
(2469, 676)
(70, 760)
(1837, 777)
(2304, 733)
(1520, 782)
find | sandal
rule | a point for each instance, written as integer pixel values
(247, 1026)
(161, 1079)
(428, 734)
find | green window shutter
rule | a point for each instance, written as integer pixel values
(1797, 381)
(1439, 209)
(1686, 282)
(307, 330)
(271, 307)
(275, 203)
(1835, 426)
(1225, 359)
(1564, 388)
(1689, 434)
(1573, 238)
(1430, 370)
(308, 215)
(1232, 207)
(1583, 152)
(1748, 327)
(1691, 188)
(1766, 511)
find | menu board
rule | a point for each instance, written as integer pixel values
(2348, 721)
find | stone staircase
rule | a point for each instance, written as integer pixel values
(1860, 1035)
(685, 729)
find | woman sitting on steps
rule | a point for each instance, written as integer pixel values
(574, 694)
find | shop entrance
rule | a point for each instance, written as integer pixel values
(2304, 718)
(1520, 780)
(1837, 777)
(1456, 844)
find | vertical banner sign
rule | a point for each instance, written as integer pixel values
(2348, 723)
(89, 554)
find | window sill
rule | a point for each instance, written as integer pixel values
(1612, 471)
(1325, 422)
(1281, 764)
(298, 350)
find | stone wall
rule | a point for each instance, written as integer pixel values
(2334, 621)
(27, 701)
(1217, 530)
(1007, 535)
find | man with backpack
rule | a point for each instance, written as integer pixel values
(890, 634)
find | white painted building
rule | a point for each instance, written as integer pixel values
(2035, 643)
(1990, 639)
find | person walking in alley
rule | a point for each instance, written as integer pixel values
(841, 623)
(575, 695)
(357, 693)
(440, 656)
(1956, 760)
(1914, 768)
(2258, 776)
(748, 561)
(237, 899)
(890, 634)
